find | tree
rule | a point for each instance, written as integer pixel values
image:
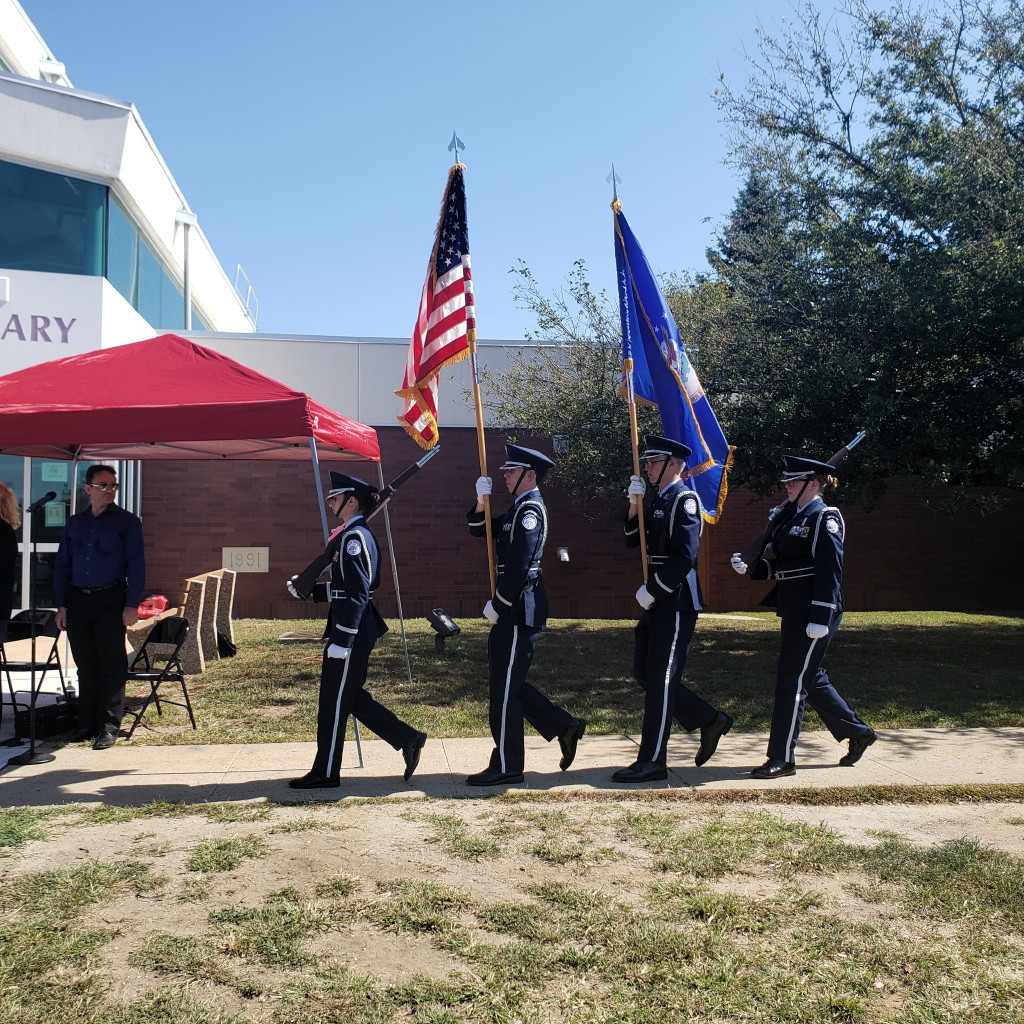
(567, 387)
(874, 257)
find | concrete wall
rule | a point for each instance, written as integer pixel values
(902, 555)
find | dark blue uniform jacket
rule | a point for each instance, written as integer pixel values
(355, 575)
(519, 536)
(808, 564)
(673, 524)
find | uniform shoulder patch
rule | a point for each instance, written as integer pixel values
(530, 521)
(690, 505)
(354, 546)
(832, 524)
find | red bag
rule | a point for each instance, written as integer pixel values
(153, 606)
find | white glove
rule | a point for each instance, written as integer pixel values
(738, 564)
(489, 613)
(644, 597)
(483, 486)
(334, 651)
(291, 587)
(636, 489)
(816, 631)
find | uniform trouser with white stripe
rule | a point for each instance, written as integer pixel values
(341, 695)
(510, 651)
(801, 678)
(661, 644)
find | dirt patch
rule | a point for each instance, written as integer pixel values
(374, 844)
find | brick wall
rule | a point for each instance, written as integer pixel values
(901, 555)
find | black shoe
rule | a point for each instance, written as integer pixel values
(311, 781)
(774, 769)
(857, 747)
(642, 771)
(492, 777)
(81, 735)
(411, 753)
(106, 739)
(569, 740)
(709, 737)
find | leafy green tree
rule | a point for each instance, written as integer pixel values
(567, 387)
(874, 258)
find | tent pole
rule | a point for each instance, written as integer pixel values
(319, 488)
(327, 534)
(394, 575)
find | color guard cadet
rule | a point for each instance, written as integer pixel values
(518, 612)
(353, 627)
(808, 568)
(671, 600)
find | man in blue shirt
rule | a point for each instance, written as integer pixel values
(98, 579)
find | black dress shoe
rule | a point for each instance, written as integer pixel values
(857, 747)
(106, 739)
(492, 777)
(709, 737)
(411, 754)
(642, 771)
(774, 770)
(80, 735)
(311, 781)
(569, 740)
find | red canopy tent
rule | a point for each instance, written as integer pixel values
(168, 398)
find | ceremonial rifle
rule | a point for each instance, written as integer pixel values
(305, 580)
(779, 515)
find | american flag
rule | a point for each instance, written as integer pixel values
(446, 323)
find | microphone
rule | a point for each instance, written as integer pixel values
(40, 502)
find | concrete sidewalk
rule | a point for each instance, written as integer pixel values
(129, 775)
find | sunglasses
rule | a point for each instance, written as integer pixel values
(105, 486)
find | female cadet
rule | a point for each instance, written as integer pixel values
(808, 566)
(353, 626)
(671, 599)
(10, 520)
(518, 613)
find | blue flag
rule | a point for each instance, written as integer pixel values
(654, 357)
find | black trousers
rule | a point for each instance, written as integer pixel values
(801, 678)
(661, 644)
(96, 633)
(342, 693)
(512, 699)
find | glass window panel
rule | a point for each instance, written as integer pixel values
(122, 253)
(51, 222)
(52, 475)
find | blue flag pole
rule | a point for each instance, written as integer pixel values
(627, 375)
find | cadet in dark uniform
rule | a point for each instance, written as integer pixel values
(518, 612)
(671, 599)
(353, 626)
(808, 565)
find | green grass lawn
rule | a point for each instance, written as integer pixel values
(898, 669)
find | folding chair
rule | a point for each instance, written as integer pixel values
(158, 661)
(20, 627)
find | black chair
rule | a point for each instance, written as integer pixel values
(158, 661)
(40, 625)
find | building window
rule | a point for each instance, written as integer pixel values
(134, 270)
(51, 222)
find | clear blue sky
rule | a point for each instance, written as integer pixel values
(310, 136)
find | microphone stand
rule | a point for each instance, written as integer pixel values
(32, 756)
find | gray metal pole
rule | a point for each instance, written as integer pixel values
(394, 576)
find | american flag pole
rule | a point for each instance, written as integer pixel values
(456, 145)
